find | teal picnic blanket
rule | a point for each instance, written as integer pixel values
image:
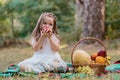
(15, 70)
(113, 68)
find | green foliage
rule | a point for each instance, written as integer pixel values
(29, 11)
(62, 9)
(112, 19)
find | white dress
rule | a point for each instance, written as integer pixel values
(45, 59)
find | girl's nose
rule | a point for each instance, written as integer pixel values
(46, 25)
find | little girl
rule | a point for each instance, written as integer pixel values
(45, 42)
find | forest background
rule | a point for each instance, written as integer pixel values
(18, 19)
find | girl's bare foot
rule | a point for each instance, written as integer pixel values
(58, 76)
(40, 75)
(22, 68)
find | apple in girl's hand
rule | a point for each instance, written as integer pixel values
(102, 53)
(46, 29)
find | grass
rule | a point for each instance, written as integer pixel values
(14, 55)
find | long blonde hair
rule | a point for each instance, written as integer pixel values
(37, 30)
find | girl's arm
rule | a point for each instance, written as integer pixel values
(38, 45)
(54, 45)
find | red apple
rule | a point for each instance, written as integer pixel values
(11, 64)
(46, 29)
(102, 53)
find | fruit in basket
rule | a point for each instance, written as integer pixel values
(102, 53)
(85, 70)
(93, 56)
(81, 57)
(78, 69)
(108, 60)
(101, 60)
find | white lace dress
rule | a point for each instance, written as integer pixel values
(45, 59)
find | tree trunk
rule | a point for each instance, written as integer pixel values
(94, 19)
(12, 26)
(79, 18)
(79, 14)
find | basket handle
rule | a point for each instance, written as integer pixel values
(86, 38)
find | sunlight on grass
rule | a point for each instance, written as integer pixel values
(63, 46)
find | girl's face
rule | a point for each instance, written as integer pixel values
(48, 22)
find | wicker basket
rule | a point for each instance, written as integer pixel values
(98, 68)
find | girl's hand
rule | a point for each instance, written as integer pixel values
(49, 34)
(43, 34)
(46, 29)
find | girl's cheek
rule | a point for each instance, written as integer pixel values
(42, 26)
(51, 29)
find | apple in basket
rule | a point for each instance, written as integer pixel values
(102, 53)
(94, 56)
(81, 57)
